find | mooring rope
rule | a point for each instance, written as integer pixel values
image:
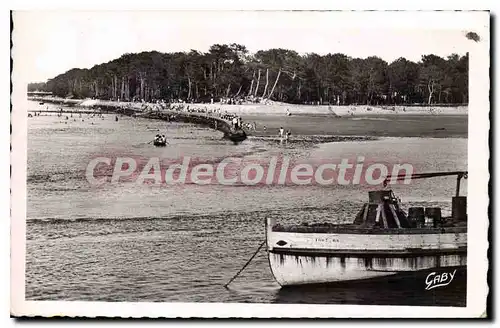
(246, 264)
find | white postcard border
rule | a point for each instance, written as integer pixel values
(478, 154)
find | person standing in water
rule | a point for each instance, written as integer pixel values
(282, 132)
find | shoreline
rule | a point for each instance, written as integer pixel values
(387, 124)
(273, 108)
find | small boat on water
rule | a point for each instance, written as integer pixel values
(160, 141)
(382, 241)
(237, 135)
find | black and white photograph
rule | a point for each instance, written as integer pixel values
(249, 163)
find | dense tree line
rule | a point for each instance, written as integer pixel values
(230, 71)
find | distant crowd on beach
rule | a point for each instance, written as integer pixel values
(235, 120)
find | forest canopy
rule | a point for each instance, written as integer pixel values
(230, 71)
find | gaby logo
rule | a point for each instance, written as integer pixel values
(434, 279)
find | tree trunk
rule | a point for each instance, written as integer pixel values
(228, 89)
(251, 84)
(267, 83)
(112, 88)
(127, 90)
(115, 88)
(141, 92)
(258, 82)
(430, 86)
(237, 93)
(275, 82)
(122, 91)
(189, 88)
(251, 87)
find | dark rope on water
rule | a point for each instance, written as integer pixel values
(246, 264)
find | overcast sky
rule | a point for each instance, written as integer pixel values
(50, 43)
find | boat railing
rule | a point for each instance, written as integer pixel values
(355, 229)
(460, 175)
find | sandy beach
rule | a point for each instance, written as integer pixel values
(306, 120)
(277, 108)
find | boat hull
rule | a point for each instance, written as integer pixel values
(317, 258)
(236, 137)
(289, 270)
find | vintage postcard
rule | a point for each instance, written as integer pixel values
(250, 164)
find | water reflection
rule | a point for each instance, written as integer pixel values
(406, 289)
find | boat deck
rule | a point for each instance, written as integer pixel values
(358, 229)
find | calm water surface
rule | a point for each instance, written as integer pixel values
(182, 243)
